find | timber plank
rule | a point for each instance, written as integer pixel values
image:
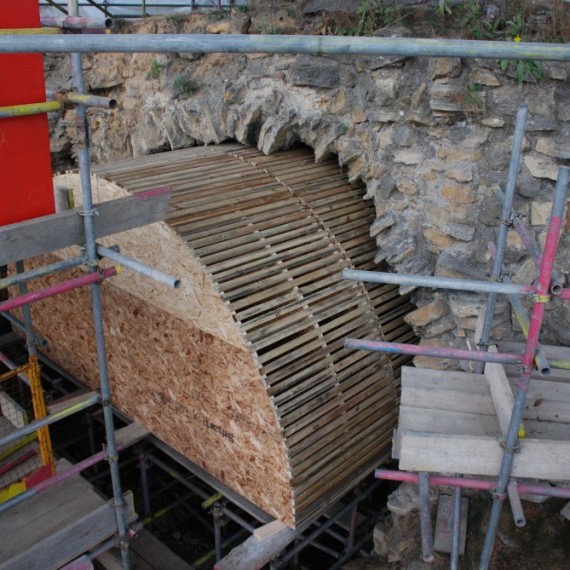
(481, 455)
(56, 231)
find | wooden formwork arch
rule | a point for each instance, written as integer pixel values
(245, 371)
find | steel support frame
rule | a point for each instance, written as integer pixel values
(543, 292)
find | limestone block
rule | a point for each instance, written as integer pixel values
(514, 241)
(408, 156)
(427, 314)
(564, 111)
(484, 77)
(438, 238)
(338, 104)
(380, 541)
(382, 224)
(540, 213)
(407, 186)
(417, 96)
(464, 155)
(541, 167)
(541, 123)
(386, 89)
(550, 147)
(463, 306)
(557, 72)
(459, 193)
(439, 328)
(493, 122)
(433, 362)
(446, 66)
(322, 76)
(475, 138)
(405, 136)
(446, 96)
(461, 174)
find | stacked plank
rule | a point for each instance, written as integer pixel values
(454, 422)
(245, 372)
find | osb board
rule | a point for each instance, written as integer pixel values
(262, 252)
(195, 301)
(199, 394)
(274, 233)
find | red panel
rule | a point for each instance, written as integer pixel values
(26, 188)
(38, 476)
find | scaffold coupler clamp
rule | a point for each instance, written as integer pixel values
(496, 495)
(516, 448)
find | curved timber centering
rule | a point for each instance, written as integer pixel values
(243, 368)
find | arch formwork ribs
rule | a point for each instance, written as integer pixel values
(245, 371)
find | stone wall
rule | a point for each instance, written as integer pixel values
(429, 137)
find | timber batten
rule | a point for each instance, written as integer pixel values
(245, 370)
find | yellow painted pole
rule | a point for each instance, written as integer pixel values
(31, 31)
(30, 109)
(40, 412)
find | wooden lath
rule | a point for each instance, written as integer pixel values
(274, 233)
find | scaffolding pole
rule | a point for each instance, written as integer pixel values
(92, 264)
(296, 44)
(542, 297)
(514, 166)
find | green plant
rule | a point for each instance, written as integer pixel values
(444, 8)
(472, 96)
(183, 85)
(373, 14)
(527, 70)
(216, 15)
(177, 20)
(515, 28)
(154, 71)
(263, 29)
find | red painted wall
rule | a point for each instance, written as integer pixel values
(26, 188)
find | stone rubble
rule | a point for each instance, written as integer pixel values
(428, 138)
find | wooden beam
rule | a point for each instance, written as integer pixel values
(464, 423)
(129, 435)
(69, 401)
(254, 554)
(50, 233)
(501, 392)
(481, 455)
(269, 529)
(53, 550)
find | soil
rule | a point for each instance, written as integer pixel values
(543, 544)
(498, 20)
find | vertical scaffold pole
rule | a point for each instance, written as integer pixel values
(91, 251)
(541, 298)
(514, 166)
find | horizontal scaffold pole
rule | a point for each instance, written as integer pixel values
(468, 483)
(323, 45)
(439, 352)
(438, 282)
(30, 109)
(54, 290)
(42, 271)
(89, 400)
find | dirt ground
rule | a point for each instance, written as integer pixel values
(500, 20)
(543, 544)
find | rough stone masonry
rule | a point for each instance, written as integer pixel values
(429, 137)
